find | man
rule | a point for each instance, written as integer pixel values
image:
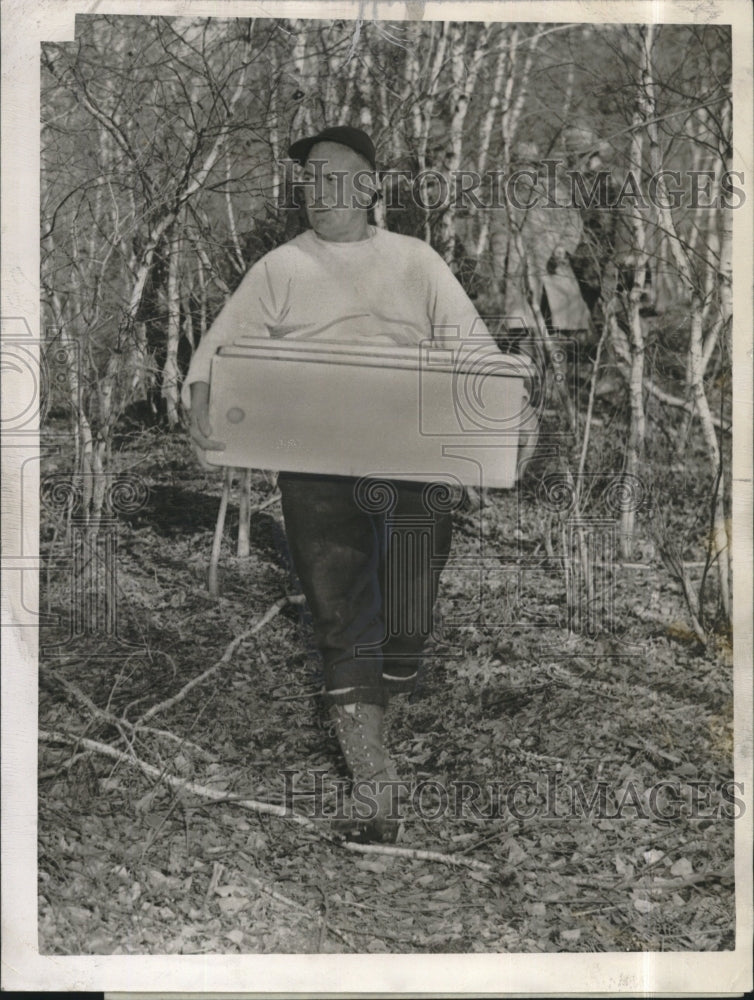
(346, 281)
(530, 242)
(594, 196)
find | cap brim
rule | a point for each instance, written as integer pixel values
(301, 149)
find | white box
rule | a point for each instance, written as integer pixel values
(421, 413)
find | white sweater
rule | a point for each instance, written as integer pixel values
(387, 289)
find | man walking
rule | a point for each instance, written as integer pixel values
(344, 280)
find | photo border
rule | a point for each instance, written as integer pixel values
(25, 25)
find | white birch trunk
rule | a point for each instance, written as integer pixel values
(302, 118)
(345, 112)
(718, 543)
(426, 113)
(244, 514)
(485, 136)
(202, 297)
(637, 424)
(169, 388)
(464, 80)
(238, 261)
(515, 108)
(506, 129)
(725, 233)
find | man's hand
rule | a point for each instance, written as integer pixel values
(199, 423)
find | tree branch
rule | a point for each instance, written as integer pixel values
(682, 404)
(230, 649)
(253, 805)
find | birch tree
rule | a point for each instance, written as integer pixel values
(104, 318)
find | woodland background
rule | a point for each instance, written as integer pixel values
(160, 186)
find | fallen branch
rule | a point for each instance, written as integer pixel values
(681, 404)
(94, 710)
(107, 717)
(230, 649)
(181, 784)
(298, 697)
(417, 854)
(265, 504)
(173, 738)
(253, 805)
(294, 904)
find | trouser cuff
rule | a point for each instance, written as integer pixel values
(366, 695)
(403, 684)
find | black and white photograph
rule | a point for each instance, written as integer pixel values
(377, 451)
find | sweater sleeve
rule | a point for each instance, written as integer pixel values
(453, 317)
(452, 314)
(249, 312)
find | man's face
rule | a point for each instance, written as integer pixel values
(338, 190)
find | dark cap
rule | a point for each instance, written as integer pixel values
(345, 135)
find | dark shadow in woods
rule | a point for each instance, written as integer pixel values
(176, 512)
(173, 510)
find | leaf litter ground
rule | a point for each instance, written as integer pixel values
(132, 863)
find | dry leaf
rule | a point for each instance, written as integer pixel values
(516, 853)
(643, 905)
(653, 856)
(682, 867)
(232, 905)
(624, 868)
(231, 890)
(378, 867)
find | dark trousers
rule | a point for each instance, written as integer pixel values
(369, 554)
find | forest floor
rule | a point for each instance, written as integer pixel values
(603, 766)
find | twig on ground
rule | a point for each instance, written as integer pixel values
(501, 835)
(217, 872)
(252, 805)
(417, 854)
(382, 935)
(173, 738)
(298, 697)
(94, 710)
(105, 716)
(265, 503)
(323, 918)
(53, 772)
(230, 649)
(294, 904)
(202, 791)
